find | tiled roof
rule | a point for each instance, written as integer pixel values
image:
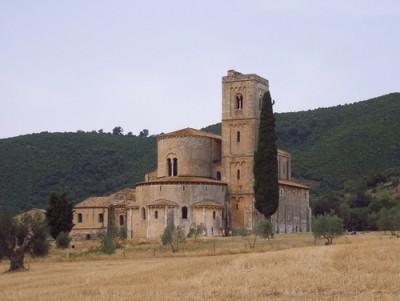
(162, 203)
(189, 132)
(181, 180)
(95, 202)
(291, 183)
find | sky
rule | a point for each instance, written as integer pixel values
(158, 65)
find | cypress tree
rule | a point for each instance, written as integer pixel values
(266, 186)
(59, 214)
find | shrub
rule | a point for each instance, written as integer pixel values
(107, 242)
(63, 240)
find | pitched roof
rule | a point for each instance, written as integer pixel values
(189, 132)
(162, 203)
(291, 183)
(95, 202)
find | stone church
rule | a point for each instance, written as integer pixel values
(202, 178)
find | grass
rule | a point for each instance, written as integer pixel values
(288, 267)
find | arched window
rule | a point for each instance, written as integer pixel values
(175, 167)
(169, 166)
(156, 214)
(121, 220)
(184, 212)
(172, 166)
(214, 214)
(218, 175)
(238, 136)
(239, 101)
(238, 174)
(143, 213)
(80, 218)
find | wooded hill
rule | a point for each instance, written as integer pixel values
(337, 149)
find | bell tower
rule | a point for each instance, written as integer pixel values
(241, 106)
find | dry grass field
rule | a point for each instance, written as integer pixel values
(288, 267)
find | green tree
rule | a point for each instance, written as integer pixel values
(173, 236)
(196, 230)
(107, 242)
(59, 214)
(18, 237)
(110, 239)
(263, 228)
(327, 226)
(266, 187)
(389, 220)
(144, 133)
(118, 131)
(63, 240)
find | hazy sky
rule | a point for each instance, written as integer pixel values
(157, 65)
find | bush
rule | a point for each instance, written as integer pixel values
(107, 242)
(123, 233)
(263, 228)
(63, 240)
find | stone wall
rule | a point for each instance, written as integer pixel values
(195, 155)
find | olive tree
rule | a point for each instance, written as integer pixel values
(20, 236)
(327, 226)
(173, 236)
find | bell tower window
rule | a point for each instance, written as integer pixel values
(238, 136)
(239, 101)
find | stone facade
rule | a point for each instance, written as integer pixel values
(202, 178)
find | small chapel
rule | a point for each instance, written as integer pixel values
(203, 178)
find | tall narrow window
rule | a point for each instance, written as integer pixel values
(80, 219)
(101, 217)
(214, 214)
(121, 220)
(238, 174)
(143, 213)
(156, 214)
(175, 167)
(238, 136)
(239, 101)
(184, 212)
(169, 166)
(218, 175)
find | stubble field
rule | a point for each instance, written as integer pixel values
(288, 267)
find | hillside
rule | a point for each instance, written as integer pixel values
(337, 148)
(84, 164)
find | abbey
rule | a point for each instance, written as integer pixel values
(202, 178)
